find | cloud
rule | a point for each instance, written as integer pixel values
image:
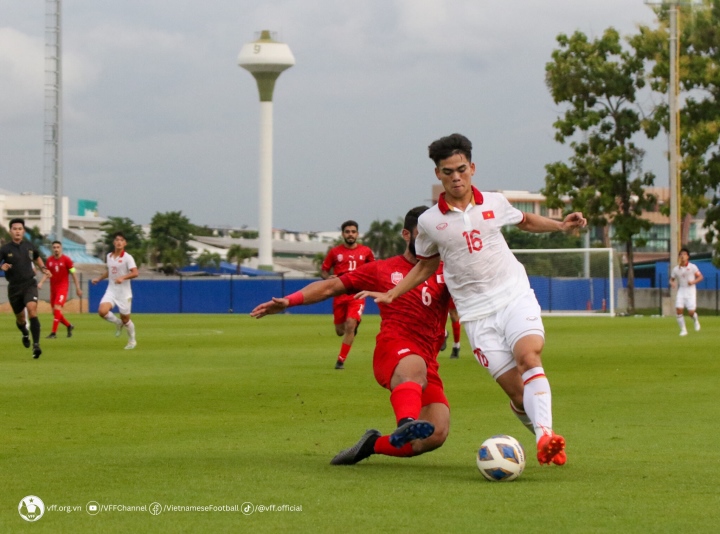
(21, 73)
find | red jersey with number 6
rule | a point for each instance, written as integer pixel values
(420, 314)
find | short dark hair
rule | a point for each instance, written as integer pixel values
(685, 250)
(58, 242)
(16, 220)
(119, 234)
(411, 219)
(348, 223)
(447, 146)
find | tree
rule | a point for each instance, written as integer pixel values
(385, 238)
(169, 236)
(35, 237)
(699, 73)
(208, 259)
(239, 254)
(599, 81)
(136, 242)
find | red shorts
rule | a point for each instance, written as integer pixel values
(347, 307)
(58, 296)
(389, 352)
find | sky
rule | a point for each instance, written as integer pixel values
(158, 117)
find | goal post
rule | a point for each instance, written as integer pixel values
(573, 281)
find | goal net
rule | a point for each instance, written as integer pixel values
(573, 281)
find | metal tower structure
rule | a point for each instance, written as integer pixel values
(675, 158)
(52, 171)
(265, 59)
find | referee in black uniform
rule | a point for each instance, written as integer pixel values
(16, 260)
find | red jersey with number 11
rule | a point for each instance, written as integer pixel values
(342, 259)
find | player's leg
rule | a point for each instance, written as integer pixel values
(107, 303)
(351, 315)
(691, 305)
(340, 310)
(679, 307)
(125, 309)
(680, 318)
(456, 330)
(430, 410)
(58, 303)
(31, 307)
(695, 318)
(436, 410)
(17, 302)
(56, 321)
(408, 381)
(537, 396)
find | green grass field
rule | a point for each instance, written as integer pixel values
(214, 410)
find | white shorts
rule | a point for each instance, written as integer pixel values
(685, 299)
(493, 338)
(123, 302)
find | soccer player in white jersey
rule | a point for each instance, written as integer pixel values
(685, 276)
(121, 268)
(490, 287)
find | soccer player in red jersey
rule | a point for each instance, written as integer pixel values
(60, 267)
(405, 358)
(347, 310)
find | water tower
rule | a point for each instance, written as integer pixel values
(265, 59)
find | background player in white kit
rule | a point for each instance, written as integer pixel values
(685, 276)
(490, 287)
(121, 268)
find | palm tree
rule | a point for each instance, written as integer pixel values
(385, 238)
(209, 259)
(239, 254)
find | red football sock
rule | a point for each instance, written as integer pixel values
(406, 400)
(59, 317)
(382, 446)
(344, 350)
(456, 331)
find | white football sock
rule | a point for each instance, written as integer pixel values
(131, 330)
(110, 317)
(680, 321)
(524, 419)
(537, 400)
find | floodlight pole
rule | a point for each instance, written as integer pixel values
(53, 109)
(674, 137)
(674, 127)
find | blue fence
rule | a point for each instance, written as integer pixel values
(241, 295)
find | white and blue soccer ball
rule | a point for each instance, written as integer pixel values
(501, 458)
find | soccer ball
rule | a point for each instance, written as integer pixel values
(501, 458)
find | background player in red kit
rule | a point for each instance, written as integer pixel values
(60, 267)
(405, 358)
(347, 310)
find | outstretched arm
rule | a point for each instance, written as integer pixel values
(539, 224)
(310, 294)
